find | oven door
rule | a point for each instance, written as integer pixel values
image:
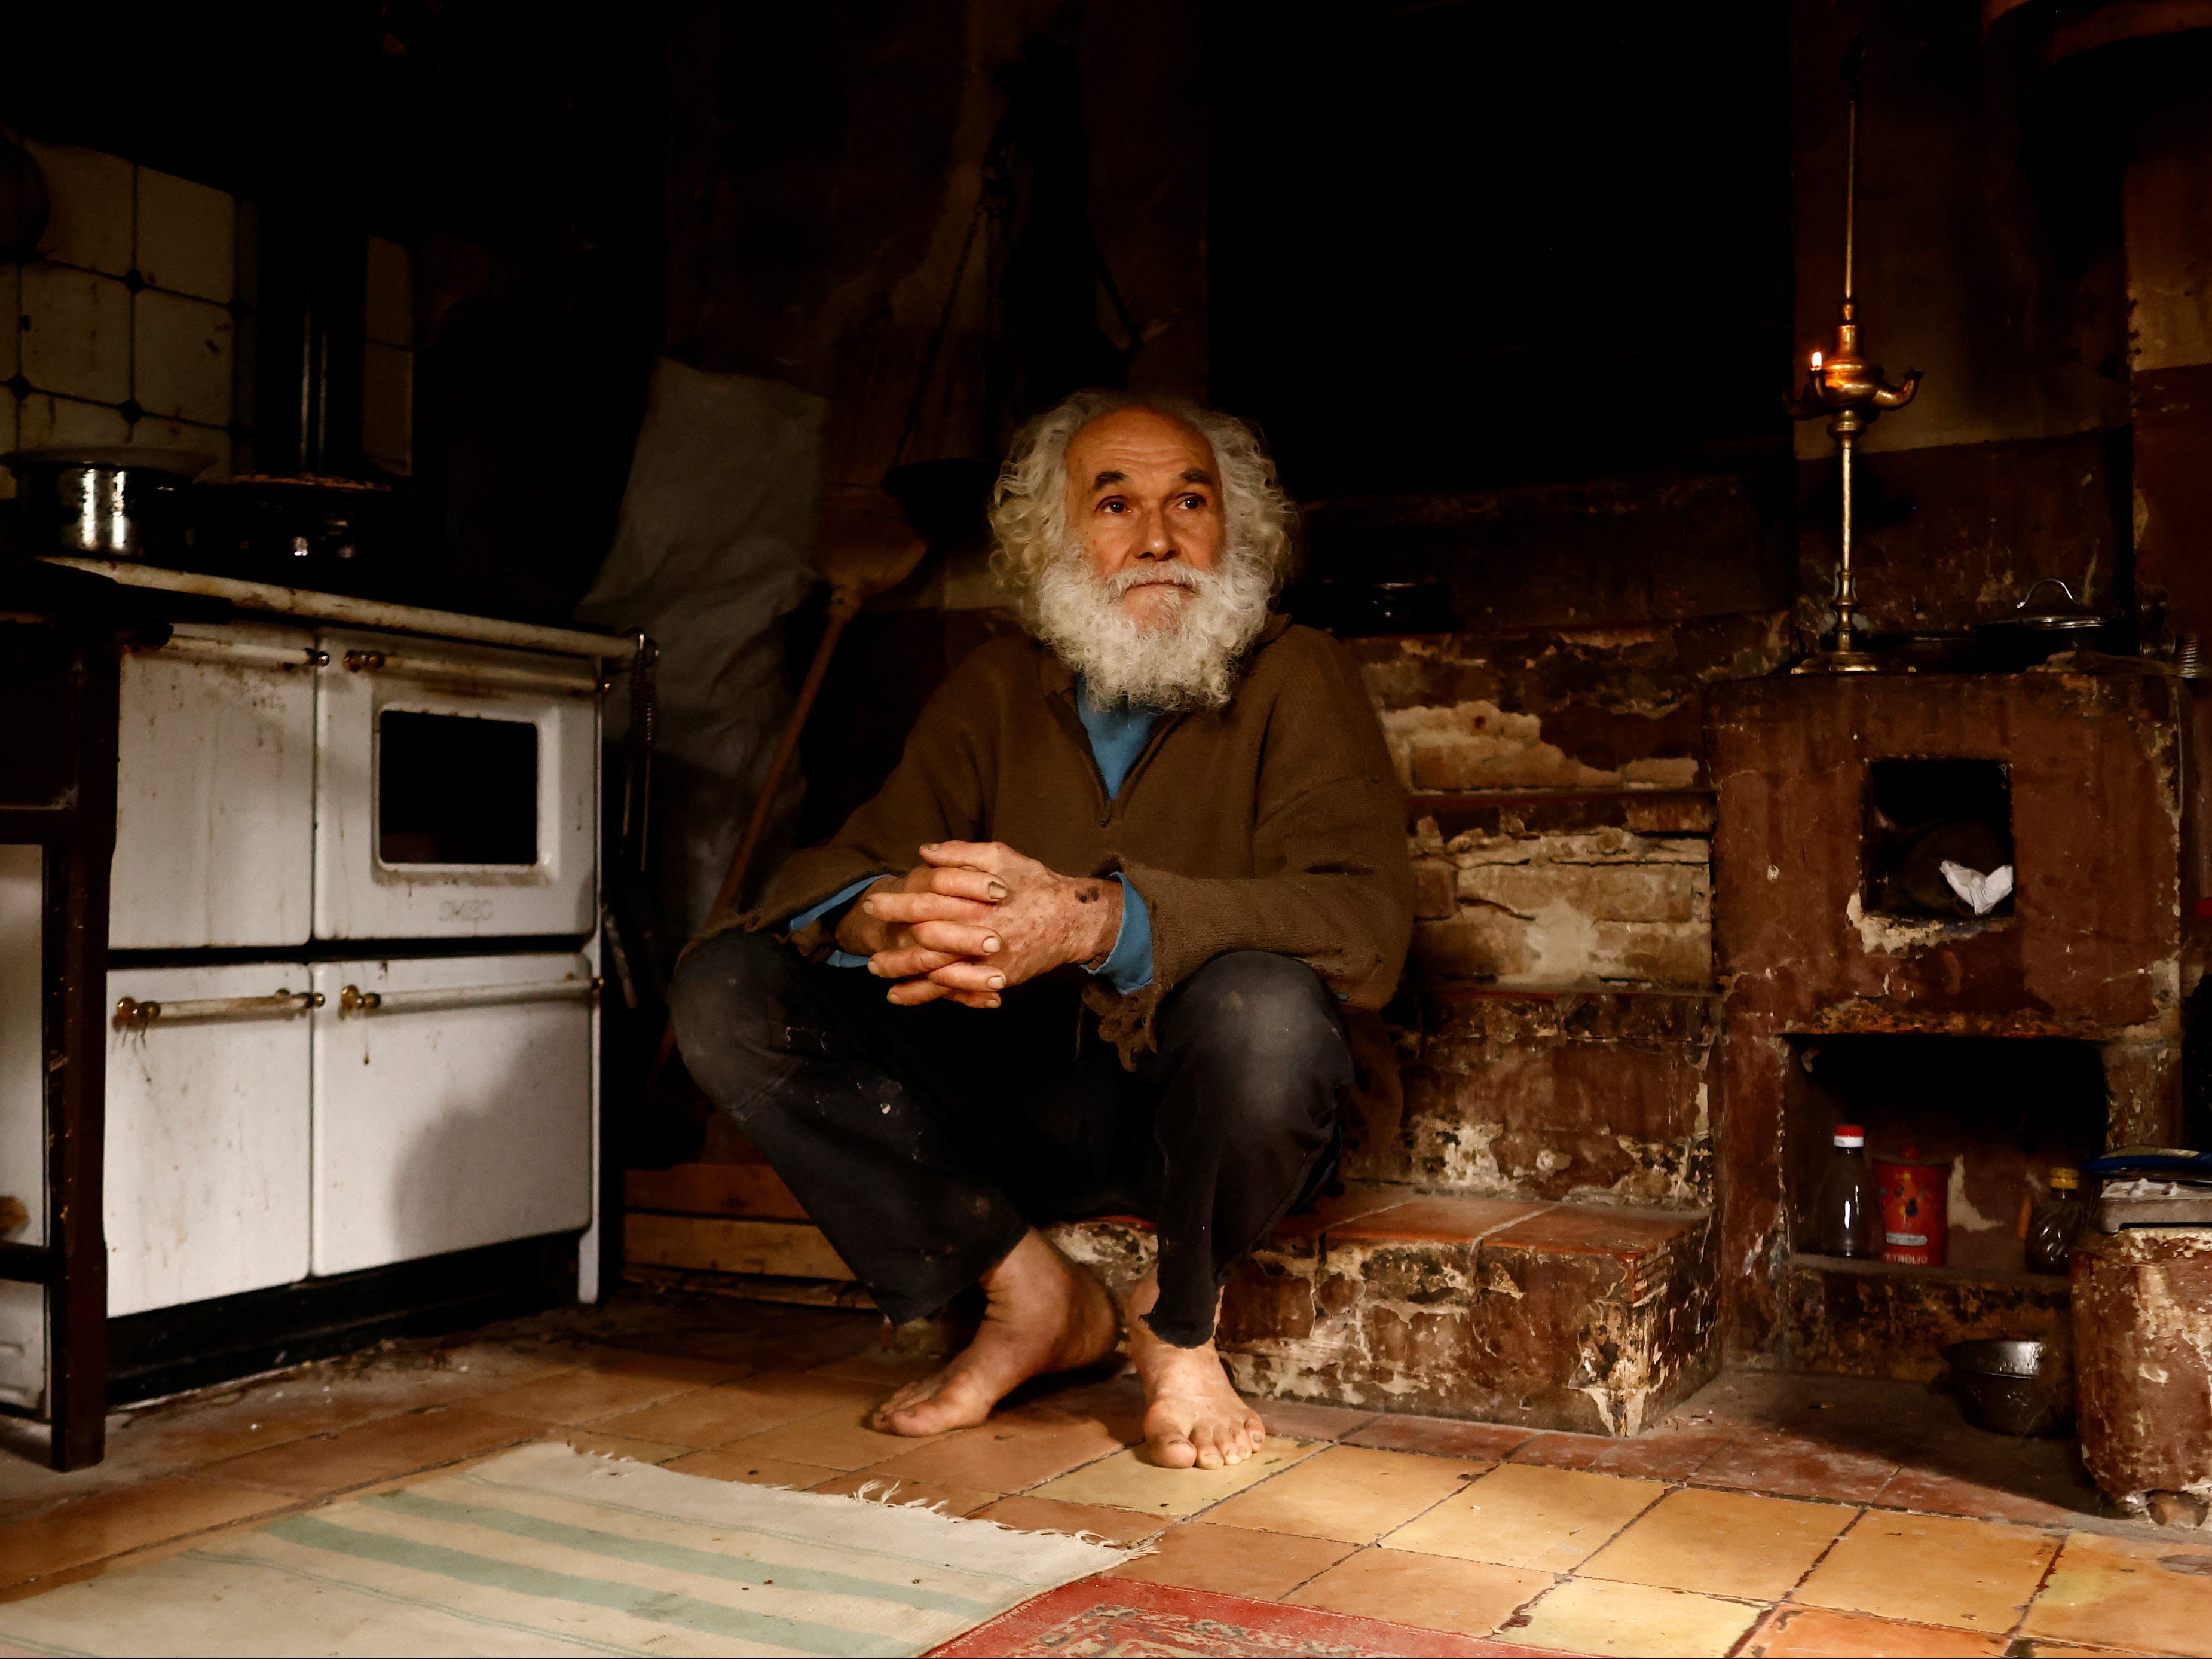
(215, 791)
(206, 1132)
(453, 790)
(452, 1105)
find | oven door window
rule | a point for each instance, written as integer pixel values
(455, 789)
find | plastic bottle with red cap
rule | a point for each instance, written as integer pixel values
(1846, 1214)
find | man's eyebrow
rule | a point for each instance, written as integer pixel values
(1198, 475)
(1105, 478)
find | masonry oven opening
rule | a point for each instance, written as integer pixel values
(1938, 840)
(455, 789)
(2002, 1111)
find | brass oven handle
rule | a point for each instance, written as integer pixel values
(130, 1011)
(519, 676)
(352, 1000)
(247, 652)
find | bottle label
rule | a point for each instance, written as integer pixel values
(1915, 1239)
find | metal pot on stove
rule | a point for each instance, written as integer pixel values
(330, 534)
(2034, 632)
(103, 501)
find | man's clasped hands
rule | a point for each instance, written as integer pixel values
(975, 918)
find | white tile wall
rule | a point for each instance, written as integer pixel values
(183, 358)
(75, 333)
(187, 237)
(49, 420)
(92, 197)
(87, 346)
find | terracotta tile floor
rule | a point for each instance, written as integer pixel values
(1770, 1517)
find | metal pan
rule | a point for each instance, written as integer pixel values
(105, 501)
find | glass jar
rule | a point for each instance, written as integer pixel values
(2055, 1222)
(1846, 1213)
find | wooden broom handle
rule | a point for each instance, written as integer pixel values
(844, 604)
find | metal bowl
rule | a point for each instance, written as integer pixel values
(2011, 1385)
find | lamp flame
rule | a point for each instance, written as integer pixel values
(1816, 362)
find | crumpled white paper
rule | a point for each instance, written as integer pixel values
(1983, 892)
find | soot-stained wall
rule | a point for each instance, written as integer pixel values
(824, 171)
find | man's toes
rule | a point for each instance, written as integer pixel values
(1176, 1452)
(1209, 1456)
(913, 1393)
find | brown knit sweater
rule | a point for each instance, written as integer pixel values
(1272, 824)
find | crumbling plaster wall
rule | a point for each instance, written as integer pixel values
(1558, 816)
(1555, 1035)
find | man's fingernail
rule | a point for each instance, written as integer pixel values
(993, 1002)
(996, 981)
(991, 945)
(998, 892)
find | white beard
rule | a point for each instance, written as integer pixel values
(1189, 661)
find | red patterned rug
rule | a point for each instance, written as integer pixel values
(1124, 1619)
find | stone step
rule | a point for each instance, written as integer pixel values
(1589, 1317)
(1576, 1094)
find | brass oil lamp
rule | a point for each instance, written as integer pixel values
(1851, 392)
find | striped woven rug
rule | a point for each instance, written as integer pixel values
(547, 1550)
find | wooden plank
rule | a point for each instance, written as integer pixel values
(741, 1189)
(73, 935)
(790, 1250)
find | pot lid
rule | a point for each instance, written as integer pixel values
(298, 482)
(2053, 617)
(184, 463)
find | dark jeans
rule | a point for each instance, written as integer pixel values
(924, 1142)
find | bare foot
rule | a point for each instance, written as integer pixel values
(1193, 1417)
(1044, 1314)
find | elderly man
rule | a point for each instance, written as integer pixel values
(1086, 952)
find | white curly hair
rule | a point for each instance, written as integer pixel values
(1039, 558)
